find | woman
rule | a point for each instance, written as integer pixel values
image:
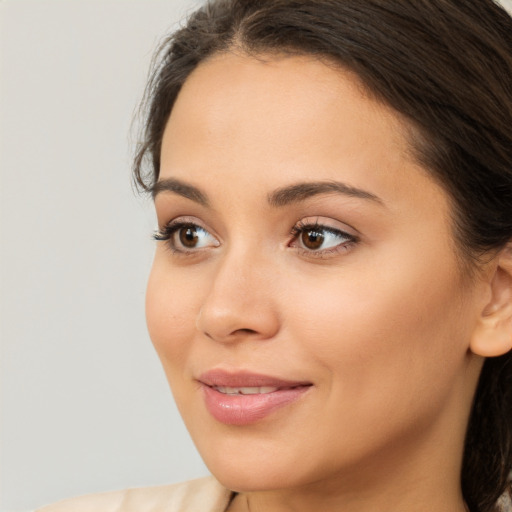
(331, 296)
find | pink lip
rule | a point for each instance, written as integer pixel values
(238, 409)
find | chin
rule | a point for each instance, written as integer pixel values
(250, 465)
(242, 477)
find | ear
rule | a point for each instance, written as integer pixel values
(493, 333)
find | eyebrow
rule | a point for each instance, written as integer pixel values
(181, 188)
(302, 191)
(281, 197)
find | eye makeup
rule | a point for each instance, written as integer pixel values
(311, 238)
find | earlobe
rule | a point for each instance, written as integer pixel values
(492, 335)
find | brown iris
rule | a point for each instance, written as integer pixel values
(188, 237)
(312, 239)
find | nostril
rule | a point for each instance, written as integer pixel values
(234, 334)
(245, 331)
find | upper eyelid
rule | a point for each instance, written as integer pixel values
(164, 230)
(329, 229)
(175, 225)
(183, 219)
(326, 224)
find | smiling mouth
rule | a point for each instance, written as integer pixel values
(244, 398)
(246, 382)
(262, 390)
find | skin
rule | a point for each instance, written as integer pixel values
(382, 326)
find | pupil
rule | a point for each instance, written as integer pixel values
(312, 239)
(188, 237)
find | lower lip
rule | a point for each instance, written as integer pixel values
(247, 409)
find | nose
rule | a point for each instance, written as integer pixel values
(240, 303)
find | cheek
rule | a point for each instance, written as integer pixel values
(385, 333)
(171, 311)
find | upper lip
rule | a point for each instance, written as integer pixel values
(243, 378)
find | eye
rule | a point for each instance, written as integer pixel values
(317, 238)
(186, 236)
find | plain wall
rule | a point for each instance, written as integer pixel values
(84, 403)
(85, 406)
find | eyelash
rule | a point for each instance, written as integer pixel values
(164, 234)
(305, 227)
(167, 233)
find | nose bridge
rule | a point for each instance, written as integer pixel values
(240, 299)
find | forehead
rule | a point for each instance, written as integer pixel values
(236, 94)
(271, 120)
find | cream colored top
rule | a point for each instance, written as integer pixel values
(202, 495)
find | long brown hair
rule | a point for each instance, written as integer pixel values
(446, 65)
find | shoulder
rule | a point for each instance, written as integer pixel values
(204, 494)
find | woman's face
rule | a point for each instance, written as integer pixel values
(306, 301)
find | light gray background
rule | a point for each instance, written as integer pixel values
(85, 406)
(84, 403)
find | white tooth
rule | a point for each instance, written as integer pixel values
(227, 390)
(257, 391)
(260, 390)
(249, 391)
(245, 390)
(267, 389)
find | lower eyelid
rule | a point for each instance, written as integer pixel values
(327, 253)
